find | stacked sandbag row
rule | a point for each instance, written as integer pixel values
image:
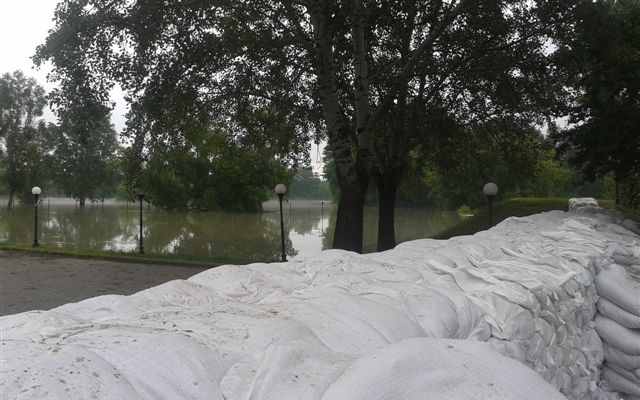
(537, 294)
(537, 289)
(618, 322)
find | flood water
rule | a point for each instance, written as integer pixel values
(114, 225)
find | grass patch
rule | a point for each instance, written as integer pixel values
(520, 207)
(184, 260)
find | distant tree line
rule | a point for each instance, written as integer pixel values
(80, 157)
(308, 185)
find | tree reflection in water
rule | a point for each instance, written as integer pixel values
(247, 236)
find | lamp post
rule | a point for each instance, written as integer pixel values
(490, 190)
(281, 189)
(36, 193)
(141, 198)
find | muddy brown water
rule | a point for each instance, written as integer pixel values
(114, 225)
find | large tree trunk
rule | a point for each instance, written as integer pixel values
(353, 178)
(351, 149)
(82, 202)
(349, 219)
(387, 189)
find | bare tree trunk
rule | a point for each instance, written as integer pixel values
(387, 189)
(82, 202)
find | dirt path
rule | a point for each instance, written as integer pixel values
(42, 282)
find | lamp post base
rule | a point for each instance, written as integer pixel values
(283, 258)
(490, 211)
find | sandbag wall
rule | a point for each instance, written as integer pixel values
(618, 323)
(618, 287)
(536, 292)
(341, 325)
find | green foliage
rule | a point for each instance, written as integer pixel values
(516, 207)
(546, 178)
(22, 135)
(602, 59)
(85, 159)
(208, 171)
(525, 169)
(463, 160)
(280, 72)
(307, 185)
(464, 211)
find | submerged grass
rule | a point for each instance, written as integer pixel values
(185, 260)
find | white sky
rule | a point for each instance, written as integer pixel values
(24, 25)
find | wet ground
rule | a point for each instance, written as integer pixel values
(30, 282)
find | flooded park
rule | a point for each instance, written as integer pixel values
(114, 226)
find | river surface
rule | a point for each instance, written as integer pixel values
(114, 225)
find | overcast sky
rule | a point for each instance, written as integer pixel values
(24, 25)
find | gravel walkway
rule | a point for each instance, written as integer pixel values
(30, 282)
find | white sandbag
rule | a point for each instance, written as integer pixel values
(508, 320)
(341, 325)
(582, 202)
(620, 315)
(630, 375)
(625, 339)
(296, 370)
(509, 348)
(431, 369)
(619, 287)
(620, 382)
(625, 260)
(616, 356)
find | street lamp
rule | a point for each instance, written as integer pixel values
(281, 189)
(490, 190)
(36, 193)
(141, 197)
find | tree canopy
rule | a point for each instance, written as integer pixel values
(22, 101)
(602, 58)
(363, 74)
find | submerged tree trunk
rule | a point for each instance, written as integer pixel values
(82, 202)
(10, 202)
(387, 189)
